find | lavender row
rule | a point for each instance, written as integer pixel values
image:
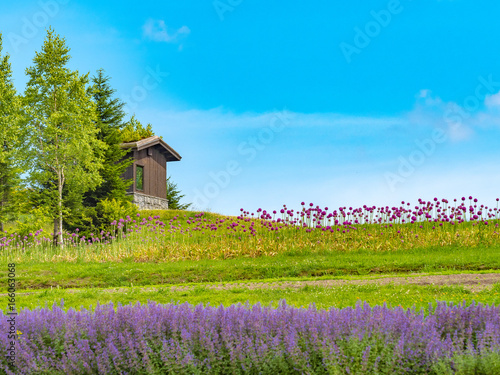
(183, 339)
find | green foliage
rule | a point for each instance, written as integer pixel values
(12, 141)
(174, 196)
(112, 209)
(95, 219)
(16, 202)
(83, 220)
(32, 221)
(62, 118)
(134, 131)
(484, 364)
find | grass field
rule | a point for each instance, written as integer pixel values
(112, 274)
(323, 297)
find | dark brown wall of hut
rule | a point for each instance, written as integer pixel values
(129, 173)
(155, 172)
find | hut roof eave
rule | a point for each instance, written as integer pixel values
(150, 142)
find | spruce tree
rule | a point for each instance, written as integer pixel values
(110, 116)
(174, 197)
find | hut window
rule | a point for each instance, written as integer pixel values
(139, 177)
(150, 151)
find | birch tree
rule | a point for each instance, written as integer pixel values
(62, 119)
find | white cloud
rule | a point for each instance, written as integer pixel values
(459, 120)
(220, 118)
(158, 31)
(424, 93)
(493, 100)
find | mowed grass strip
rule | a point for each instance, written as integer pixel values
(296, 265)
(406, 296)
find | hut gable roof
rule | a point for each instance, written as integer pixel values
(154, 141)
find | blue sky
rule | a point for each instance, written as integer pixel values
(336, 103)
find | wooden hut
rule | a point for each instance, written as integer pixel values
(149, 172)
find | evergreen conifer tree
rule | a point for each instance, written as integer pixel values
(174, 197)
(110, 116)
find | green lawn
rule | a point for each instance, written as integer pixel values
(106, 275)
(323, 297)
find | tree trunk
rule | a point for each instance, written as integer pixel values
(54, 238)
(60, 213)
(61, 230)
(1, 209)
(3, 191)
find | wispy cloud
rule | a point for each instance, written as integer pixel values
(459, 120)
(221, 118)
(493, 101)
(158, 31)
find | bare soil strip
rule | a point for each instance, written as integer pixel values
(473, 282)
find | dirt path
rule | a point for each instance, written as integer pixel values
(473, 282)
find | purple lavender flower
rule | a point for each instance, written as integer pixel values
(196, 339)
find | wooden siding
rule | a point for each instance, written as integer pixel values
(130, 173)
(155, 172)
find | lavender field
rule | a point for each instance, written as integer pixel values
(186, 339)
